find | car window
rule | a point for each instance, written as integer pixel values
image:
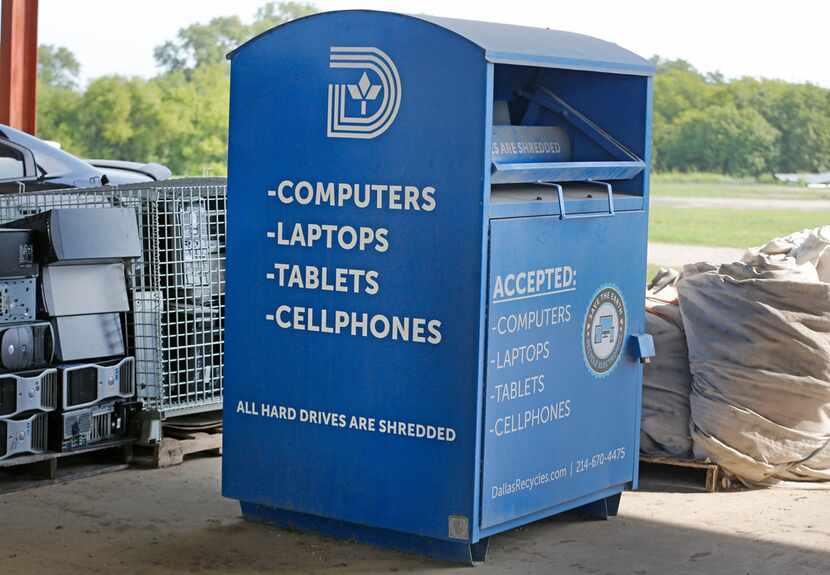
(51, 161)
(11, 163)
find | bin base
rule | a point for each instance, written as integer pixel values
(603, 508)
(467, 553)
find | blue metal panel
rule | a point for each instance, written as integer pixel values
(527, 46)
(325, 106)
(615, 102)
(432, 269)
(524, 45)
(564, 172)
(560, 413)
(542, 97)
(525, 144)
(482, 298)
(644, 347)
(579, 503)
(550, 207)
(605, 144)
(437, 548)
(643, 238)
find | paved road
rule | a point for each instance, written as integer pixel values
(745, 204)
(675, 255)
(174, 522)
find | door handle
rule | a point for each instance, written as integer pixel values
(560, 196)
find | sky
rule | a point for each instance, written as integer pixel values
(784, 40)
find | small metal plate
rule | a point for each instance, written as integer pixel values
(459, 527)
(17, 300)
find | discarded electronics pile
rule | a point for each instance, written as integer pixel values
(175, 327)
(742, 374)
(66, 383)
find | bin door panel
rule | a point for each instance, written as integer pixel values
(562, 390)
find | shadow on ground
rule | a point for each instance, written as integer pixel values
(560, 545)
(174, 522)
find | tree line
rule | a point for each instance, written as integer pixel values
(178, 118)
(702, 122)
(743, 127)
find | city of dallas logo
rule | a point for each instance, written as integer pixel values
(375, 95)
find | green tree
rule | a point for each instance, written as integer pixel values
(121, 118)
(276, 13)
(57, 67)
(195, 120)
(57, 95)
(207, 44)
(195, 87)
(201, 44)
(57, 116)
(808, 147)
(800, 112)
(180, 117)
(661, 133)
(679, 87)
(722, 139)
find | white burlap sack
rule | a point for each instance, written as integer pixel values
(664, 425)
(807, 246)
(758, 334)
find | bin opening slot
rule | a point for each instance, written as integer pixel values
(542, 97)
(530, 152)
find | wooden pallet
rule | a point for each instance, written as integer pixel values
(39, 469)
(700, 476)
(173, 448)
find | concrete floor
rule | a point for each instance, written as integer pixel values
(173, 521)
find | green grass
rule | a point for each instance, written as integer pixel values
(661, 187)
(728, 228)
(705, 185)
(698, 178)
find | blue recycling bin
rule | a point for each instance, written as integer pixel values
(436, 268)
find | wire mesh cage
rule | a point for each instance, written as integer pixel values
(175, 328)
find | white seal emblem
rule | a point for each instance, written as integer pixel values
(603, 333)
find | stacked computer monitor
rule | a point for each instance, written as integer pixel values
(76, 296)
(28, 387)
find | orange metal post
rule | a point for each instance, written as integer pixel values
(18, 64)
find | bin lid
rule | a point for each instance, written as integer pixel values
(524, 45)
(528, 46)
